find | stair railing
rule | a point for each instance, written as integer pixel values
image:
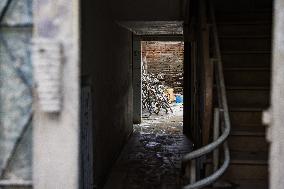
(221, 118)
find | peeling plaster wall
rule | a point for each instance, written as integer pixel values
(107, 57)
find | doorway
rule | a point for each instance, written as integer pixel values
(162, 87)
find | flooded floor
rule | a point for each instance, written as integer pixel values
(152, 157)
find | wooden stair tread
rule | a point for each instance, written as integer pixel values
(246, 52)
(241, 184)
(248, 125)
(261, 88)
(247, 69)
(251, 107)
(251, 184)
(249, 158)
(245, 23)
(246, 36)
(248, 131)
(246, 109)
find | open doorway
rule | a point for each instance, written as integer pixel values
(162, 87)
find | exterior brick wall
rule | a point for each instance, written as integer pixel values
(166, 58)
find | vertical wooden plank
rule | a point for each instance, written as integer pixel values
(56, 136)
(194, 95)
(207, 75)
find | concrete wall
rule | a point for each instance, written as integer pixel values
(275, 116)
(137, 82)
(106, 58)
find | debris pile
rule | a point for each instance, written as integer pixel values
(154, 95)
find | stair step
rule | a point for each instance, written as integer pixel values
(247, 69)
(248, 131)
(248, 143)
(244, 165)
(248, 22)
(246, 77)
(245, 44)
(244, 29)
(249, 88)
(246, 59)
(249, 158)
(246, 158)
(251, 184)
(242, 176)
(243, 170)
(245, 36)
(246, 52)
(248, 98)
(241, 184)
(262, 88)
(246, 116)
(243, 17)
(246, 109)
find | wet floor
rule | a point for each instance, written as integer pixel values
(152, 156)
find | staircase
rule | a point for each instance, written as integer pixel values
(245, 42)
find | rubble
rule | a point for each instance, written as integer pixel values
(155, 97)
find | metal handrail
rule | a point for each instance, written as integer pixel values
(218, 172)
(223, 105)
(208, 148)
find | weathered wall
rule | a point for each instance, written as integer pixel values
(137, 81)
(275, 117)
(166, 58)
(107, 57)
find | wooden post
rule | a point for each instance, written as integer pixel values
(207, 75)
(56, 135)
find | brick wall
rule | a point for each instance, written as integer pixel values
(166, 58)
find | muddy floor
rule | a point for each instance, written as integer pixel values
(152, 156)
